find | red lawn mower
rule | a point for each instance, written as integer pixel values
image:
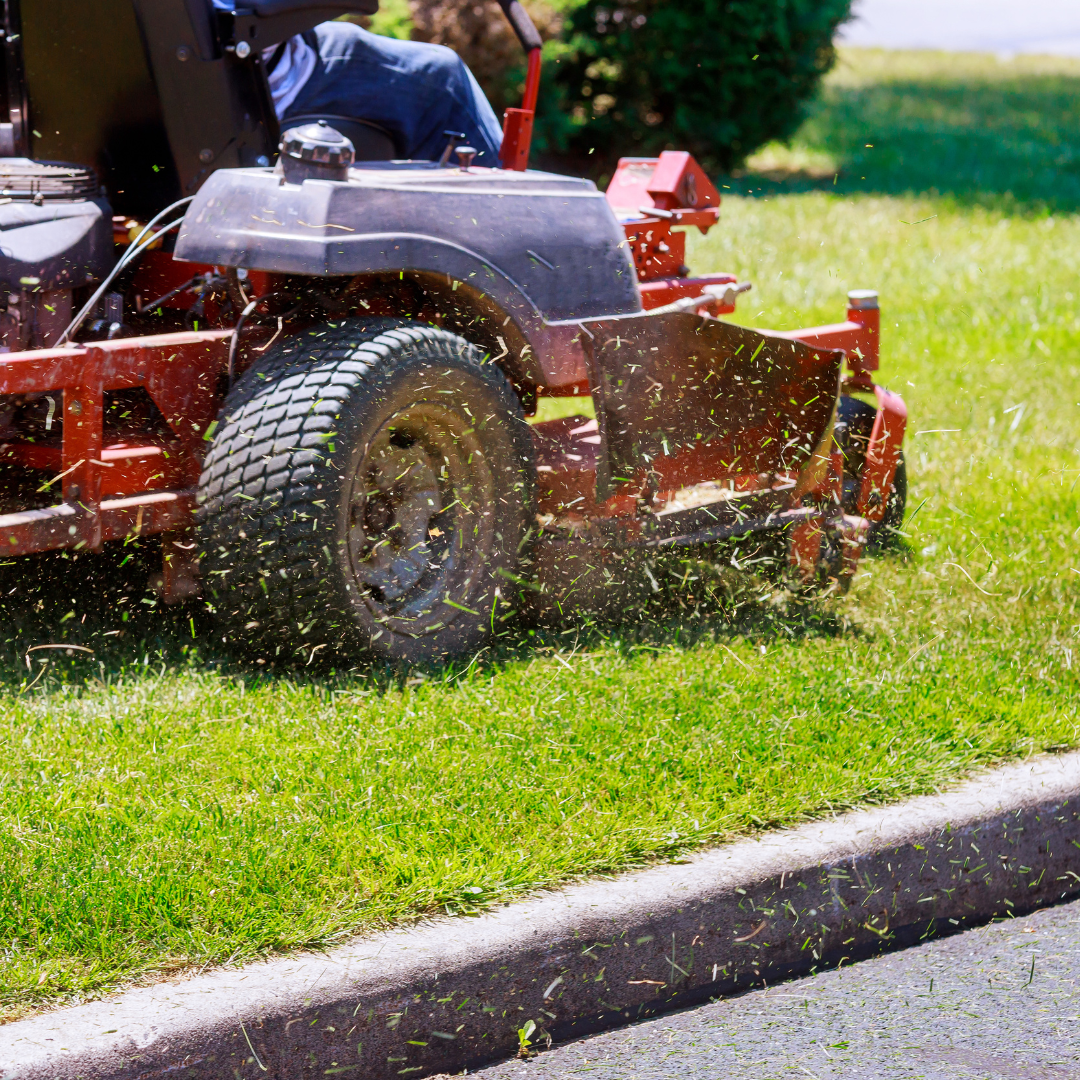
(309, 368)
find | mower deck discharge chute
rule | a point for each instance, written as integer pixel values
(313, 378)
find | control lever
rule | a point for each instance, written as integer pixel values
(455, 138)
(724, 295)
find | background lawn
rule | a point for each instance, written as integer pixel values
(162, 809)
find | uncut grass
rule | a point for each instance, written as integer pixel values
(162, 808)
(969, 127)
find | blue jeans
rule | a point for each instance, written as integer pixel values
(414, 90)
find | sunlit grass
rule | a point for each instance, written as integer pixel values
(980, 334)
(966, 126)
(162, 809)
(557, 408)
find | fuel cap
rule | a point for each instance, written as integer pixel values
(316, 152)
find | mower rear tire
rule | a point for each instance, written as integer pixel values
(370, 490)
(854, 424)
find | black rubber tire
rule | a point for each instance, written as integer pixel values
(854, 424)
(370, 489)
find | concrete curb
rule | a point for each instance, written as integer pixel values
(451, 993)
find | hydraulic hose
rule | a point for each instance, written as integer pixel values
(137, 247)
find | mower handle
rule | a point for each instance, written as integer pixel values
(518, 123)
(523, 26)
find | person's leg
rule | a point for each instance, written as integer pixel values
(414, 90)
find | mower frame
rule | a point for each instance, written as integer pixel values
(116, 488)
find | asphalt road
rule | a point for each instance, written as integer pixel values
(998, 26)
(999, 1002)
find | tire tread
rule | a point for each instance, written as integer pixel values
(260, 512)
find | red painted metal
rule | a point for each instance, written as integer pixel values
(567, 452)
(517, 139)
(147, 514)
(567, 455)
(652, 197)
(69, 524)
(532, 81)
(126, 467)
(746, 457)
(113, 486)
(566, 460)
(180, 372)
(680, 182)
(882, 454)
(159, 273)
(672, 182)
(853, 540)
(825, 518)
(179, 567)
(658, 252)
(804, 552)
(518, 123)
(859, 337)
(656, 294)
(809, 535)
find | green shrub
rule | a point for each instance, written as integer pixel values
(716, 77)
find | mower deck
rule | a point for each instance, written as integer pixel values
(121, 488)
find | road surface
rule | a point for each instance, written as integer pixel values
(998, 1003)
(997, 26)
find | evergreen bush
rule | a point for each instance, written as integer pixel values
(716, 77)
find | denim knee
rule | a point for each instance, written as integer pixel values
(414, 89)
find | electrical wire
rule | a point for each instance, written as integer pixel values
(162, 213)
(136, 248)
(234, 340)
(132, 253)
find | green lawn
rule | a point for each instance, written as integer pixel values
(162, 809)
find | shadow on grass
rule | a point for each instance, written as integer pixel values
(1008, 142)
(97, 602)
(69, 619)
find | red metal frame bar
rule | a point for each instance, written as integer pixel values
(180, 372)
(518, 123)
(859, 337)
(882, 454)
(665, 291)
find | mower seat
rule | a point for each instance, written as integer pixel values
(371, 142)
(153, 95)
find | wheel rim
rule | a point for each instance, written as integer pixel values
(420, 522)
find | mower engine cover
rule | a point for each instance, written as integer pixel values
(55, 229)
(537, 243)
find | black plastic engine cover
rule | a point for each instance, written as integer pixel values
(537, 243)
(56, 245)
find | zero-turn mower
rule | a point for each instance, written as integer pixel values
(309, 367)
